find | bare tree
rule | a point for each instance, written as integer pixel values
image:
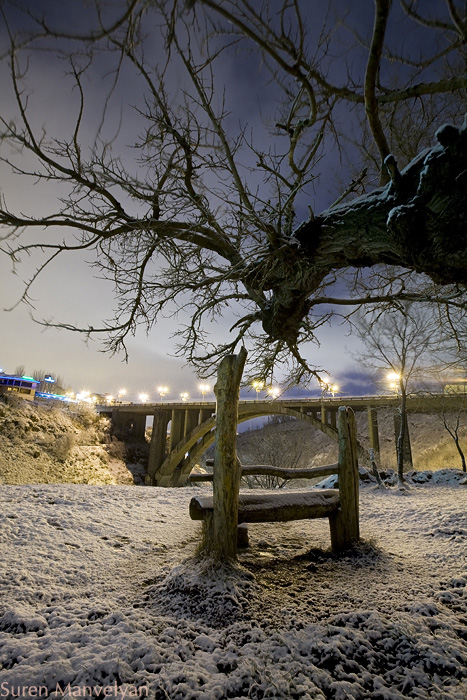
(452, 415)
(54, 384)
(197, 200)
(275, 447)
(402, 342)
(452, 423)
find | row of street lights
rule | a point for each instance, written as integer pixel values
(204, 389)
(273, 392)
(161, 390)
(259, 386)
(328, 388)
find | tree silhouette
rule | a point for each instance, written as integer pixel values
(204, 166)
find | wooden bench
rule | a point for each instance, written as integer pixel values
(340, 505)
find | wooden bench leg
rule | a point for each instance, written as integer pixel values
(344, 524)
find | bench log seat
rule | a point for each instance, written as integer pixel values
(274, 507)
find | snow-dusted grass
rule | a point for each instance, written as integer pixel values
(101, 596)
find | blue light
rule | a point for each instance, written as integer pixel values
(55, 397)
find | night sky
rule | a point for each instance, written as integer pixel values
(68, 290)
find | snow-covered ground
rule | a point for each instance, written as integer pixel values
(101, 596)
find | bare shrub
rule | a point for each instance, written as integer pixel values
(87, 417)
(116, 449)
(273, 447)
(62, 447)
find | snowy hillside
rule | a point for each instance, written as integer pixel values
(99, 588)
(49, 444)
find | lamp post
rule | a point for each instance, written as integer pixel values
(204, 388)
(121, 394)
(143, 398)
(258, 386)
(184, 397)
(333, 389)
(273, 392)
(162, 391)
(394, 379)
(83, 397)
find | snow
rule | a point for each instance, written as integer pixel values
(102, 596)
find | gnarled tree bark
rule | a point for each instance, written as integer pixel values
(221, 527)
(417, 223)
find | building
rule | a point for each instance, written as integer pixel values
(22, 387)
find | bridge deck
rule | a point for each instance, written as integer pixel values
(415, 402)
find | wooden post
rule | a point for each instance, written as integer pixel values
(344, 524)
(221, 528)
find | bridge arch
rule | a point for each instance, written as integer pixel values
(192, 424)
(179, 462)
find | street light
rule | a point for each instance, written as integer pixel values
(394, 381)
(334, 389)
(83, 397)
(258, 386)
(204, 388)
(162, 391)
(120, 394)
(143, 398)
(273, 392)
(184, 396)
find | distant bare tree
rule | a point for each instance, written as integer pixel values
(58, 386)
(401, 342)
(452, 425)
(454, 419)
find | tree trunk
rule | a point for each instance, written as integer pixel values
(402, 435)
(454, 433)
(419, 224)
(221, 528)
(461, 453)
(401, 439)
(374, 468)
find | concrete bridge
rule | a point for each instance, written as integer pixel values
(183, 431)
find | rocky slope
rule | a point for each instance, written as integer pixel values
(50, 444)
